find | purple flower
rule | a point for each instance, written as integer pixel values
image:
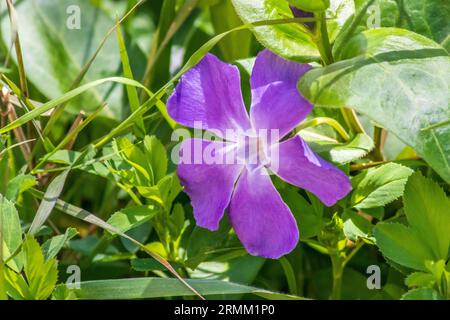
(209, 97)
(298, 13)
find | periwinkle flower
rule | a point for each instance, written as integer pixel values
(209, 97)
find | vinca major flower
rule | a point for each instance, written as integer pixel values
(209, 97)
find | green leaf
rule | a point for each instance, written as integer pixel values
(164, 192)
(356, 226)
(236, 45)
(292, 41)
(422, 294)
(176, 221)
(427, 209)
(18, 185)
(41, 275)
(427, 240)
(234, 266)
(157, 156)
(402, 245)
(52, 246)
(203, 242)
(309, 221)
(146, 264)
(137, 159)
(11, 233)
(397, 78)
(132, 94)
(130, 218)
(366, 14)
(341, 153)
(77, 92)
(144, 288)
(16, 286)
(337, 15)
(420, 279)
(379, 186)
(52, 194)
(90, 218)
(427, 17)
(62, 292)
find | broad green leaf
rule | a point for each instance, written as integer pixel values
(66, 42)
(427, 209)
(402, 245)
(52, 246)
(131, 217)
(144, 288)
(292, 41)
(379, 186)
(41, 275)
(427, 17)
(422, 294)
(11, 233)
(397, 78)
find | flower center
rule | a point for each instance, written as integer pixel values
(252, 151)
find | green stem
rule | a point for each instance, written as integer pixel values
(338, 270)
(322, 39)
(326, 53)
(290, 275)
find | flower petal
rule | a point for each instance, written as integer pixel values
(300, 166)
(209, 97)
(276, 102)
(208, 185)
(262, 221)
